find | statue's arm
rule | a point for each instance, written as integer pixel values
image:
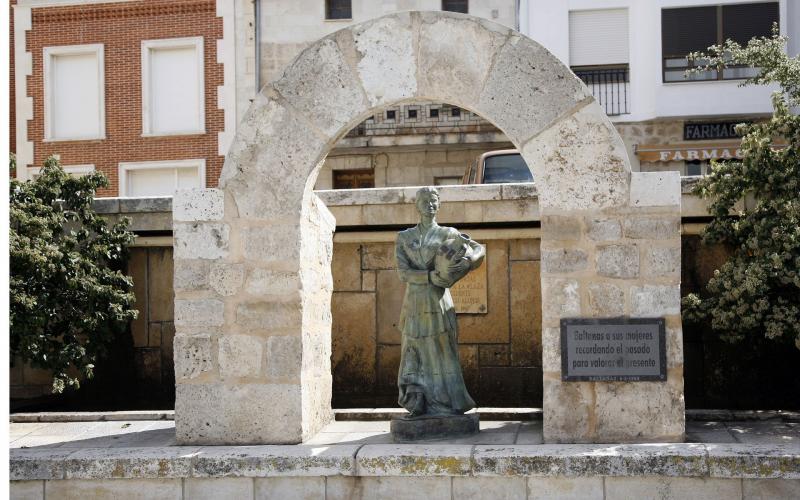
(478, 254)
(407, 273)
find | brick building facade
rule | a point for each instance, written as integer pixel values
(124, 36)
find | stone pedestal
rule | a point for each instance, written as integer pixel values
(408, 430)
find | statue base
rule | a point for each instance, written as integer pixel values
(409, 429)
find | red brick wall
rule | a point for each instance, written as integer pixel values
(121, 27)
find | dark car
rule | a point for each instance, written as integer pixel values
(497, 167)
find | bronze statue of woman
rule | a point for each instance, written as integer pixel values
(430, 259)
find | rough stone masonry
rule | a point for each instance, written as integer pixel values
(252, 345)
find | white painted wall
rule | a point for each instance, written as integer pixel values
(548, 22)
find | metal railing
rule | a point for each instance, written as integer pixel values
(609, 85)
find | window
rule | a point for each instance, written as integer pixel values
(354, 179)
(455, 112)
(390, 115)
(692, 29)
(434, 112)
(73, 170)
(74, 93)
(160, 178)
(338, 9)
(456, 6)
(173, 91)
(412, 113)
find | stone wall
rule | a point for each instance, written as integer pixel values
(500, 350)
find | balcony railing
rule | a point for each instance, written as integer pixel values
(609, 85)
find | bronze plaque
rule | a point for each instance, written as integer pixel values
(469, 294)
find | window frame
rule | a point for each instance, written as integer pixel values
(334, 19)
(456, 11)
(720, 39)
(83, 169)
(48, 54)
(172, 43)
(125, 168)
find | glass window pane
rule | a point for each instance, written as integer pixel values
(506, 168)
(742, 22)
(744, 72)
(338, 9)
(687, 30)
(456, 6)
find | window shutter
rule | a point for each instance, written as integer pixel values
(742, 22)
(687, 30)
(598, 37)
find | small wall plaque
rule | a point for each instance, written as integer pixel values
(469, 294)
(618, 349)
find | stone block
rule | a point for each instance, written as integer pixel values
(252, 164)
(767, 489)
(378, 256)
(321, 70)
(261, 282)
(275, 461)
(37, 463)
(369, 281)
(618, 261)
(656, 189)
(353, 339)
(240, 356)
(528, 89)
(218, 414)
(217, 487)
(226, 279)
(199, 312)
(671, 488)
(564, 260)
(265, 316)
(565, 488)
(190, 275)
(346, 267)
(202, 240)
(580, 163)
(663, 261)
(653, 228)
(405, 488)
(492, 327)
(125, 463)
(26, 490)
(526, 313)
(454, 57)
(470, 367)
(646, 411)
(569, 413)
(284, 356)
(113, 489)
(560, 298)
(145, 204)
(527, 249)
(414, 460)
(193, 355)
(559, 227)
(198, 205)
(606, 300)
(388, 366)
(752, 461)
(387, 65)
(342, 488)
(281, 488)
(551, 349)
(271, 243)
(603, 229)
(489, 488)
(160, 296)
(655, 300)
(390, 291)
(494, 354)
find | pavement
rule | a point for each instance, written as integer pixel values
(161, 433)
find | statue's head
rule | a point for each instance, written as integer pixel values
(427, 201)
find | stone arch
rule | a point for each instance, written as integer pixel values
(253, 330)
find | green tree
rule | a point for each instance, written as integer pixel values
(757, 291)
(68, 298)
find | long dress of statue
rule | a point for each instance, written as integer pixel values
(430, 380)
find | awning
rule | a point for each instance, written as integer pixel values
(687, 152)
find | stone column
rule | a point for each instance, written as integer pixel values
(252, 320)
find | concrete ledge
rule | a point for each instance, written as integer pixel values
(669, 460)
(91, 416)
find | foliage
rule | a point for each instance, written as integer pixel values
(757, 292)
(68, 299)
